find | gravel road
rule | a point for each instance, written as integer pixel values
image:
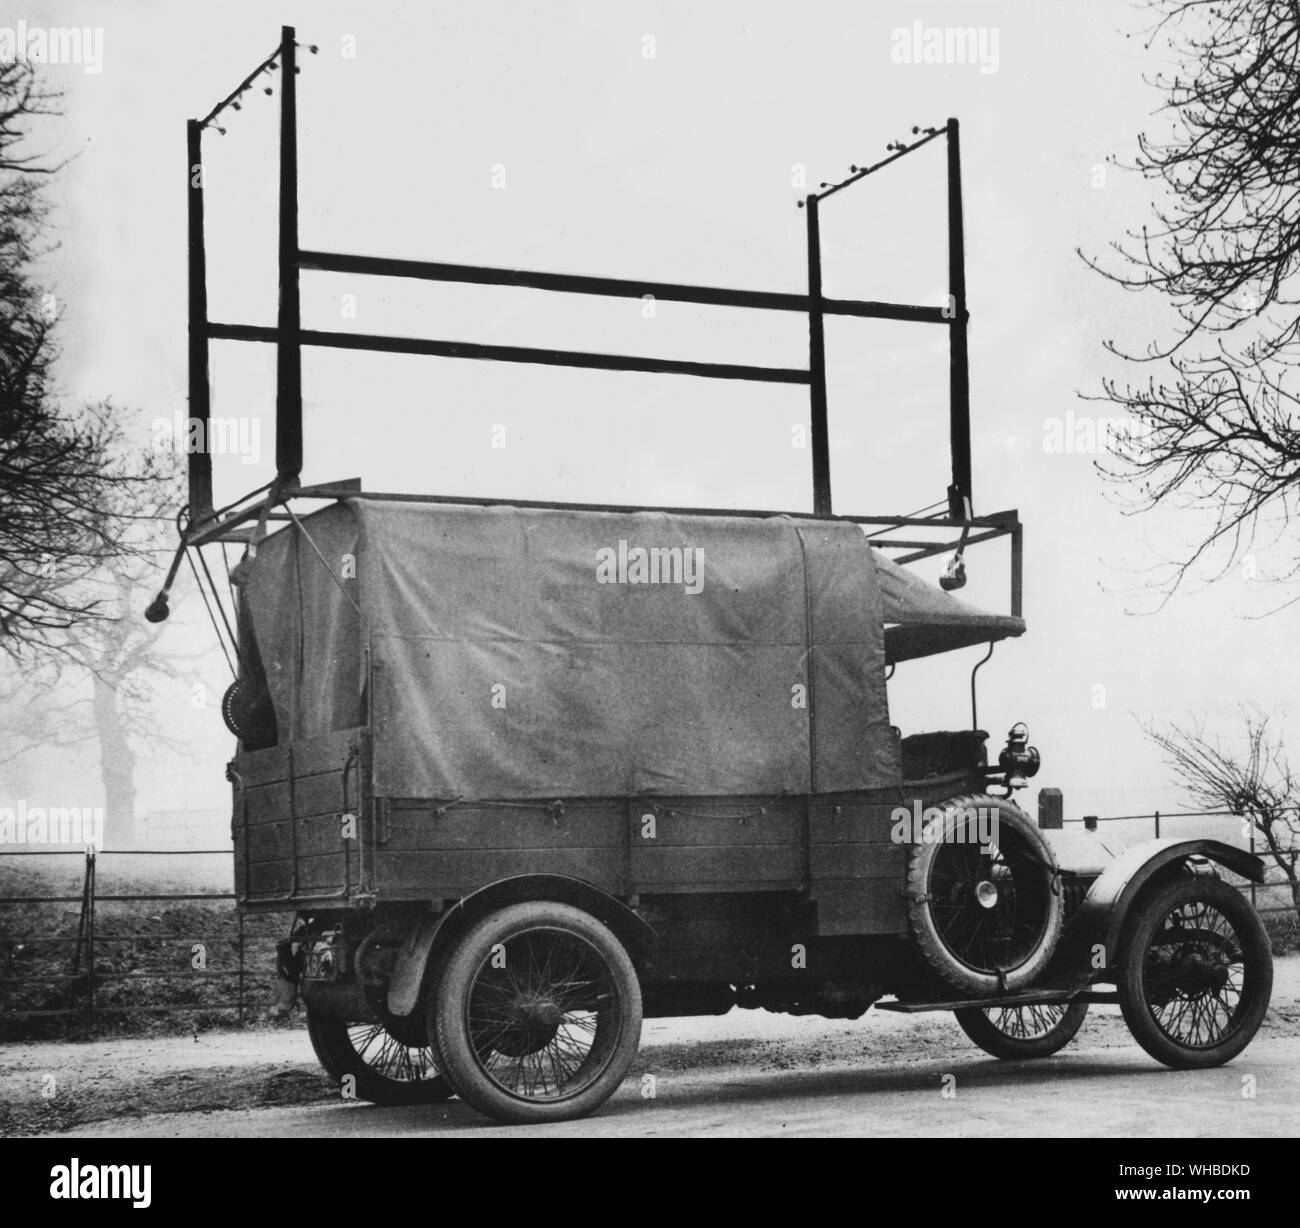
(744, 1074)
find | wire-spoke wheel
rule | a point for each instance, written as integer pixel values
(1019, 1033)
(385, 1069)
(1197, 973)
(985, 907)
(537, 1013)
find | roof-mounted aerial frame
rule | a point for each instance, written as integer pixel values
(288, 336)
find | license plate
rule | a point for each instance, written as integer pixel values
(320, 965)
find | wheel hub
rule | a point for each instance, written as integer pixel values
(533, 1026)
(1195, 962)
(1196, 971)
(986, 894)
(542, 1014)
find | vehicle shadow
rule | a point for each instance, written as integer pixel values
(738, 1091)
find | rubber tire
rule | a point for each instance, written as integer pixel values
(926, 936)
(447, 1013)
(1257, 986)
(974, 1021)
(335, 1052)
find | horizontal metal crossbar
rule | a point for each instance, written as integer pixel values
(616, 287)
(218, 530)
(930, 549)
(514, 353)
(1002, 521)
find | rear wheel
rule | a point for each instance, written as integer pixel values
(1020, 1033)
(537, 1013)
(1196, 974)
(385, 1068)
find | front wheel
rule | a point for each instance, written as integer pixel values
(1021, 1033)
(537, 1013)
(1196, 974)
(384, 1069)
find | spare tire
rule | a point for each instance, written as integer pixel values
(983, 895)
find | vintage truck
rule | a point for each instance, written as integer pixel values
(526, 775)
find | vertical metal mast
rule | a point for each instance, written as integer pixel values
(288, 373)
(821, 447)
(200, 463)
(959, 493)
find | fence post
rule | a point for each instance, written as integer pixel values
(90, 929)
(1051, 809)
(1157, 825)
(82, 918)
(1253, 904)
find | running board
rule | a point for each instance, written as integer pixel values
(1032, 997)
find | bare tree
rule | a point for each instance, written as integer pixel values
(69, 490)
(82, 515)
(56, 467)
(1214, 427)
(1254, 781)
(97, 684)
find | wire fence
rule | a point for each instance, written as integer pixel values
(200, 966)
(93, 981)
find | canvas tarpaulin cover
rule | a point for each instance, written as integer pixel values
(306, 634)
(526, 653)
(922, 619)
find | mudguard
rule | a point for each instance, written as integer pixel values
(1083, 853)
(413, 957)
(1091, 945)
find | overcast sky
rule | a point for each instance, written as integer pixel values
(664, 141)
